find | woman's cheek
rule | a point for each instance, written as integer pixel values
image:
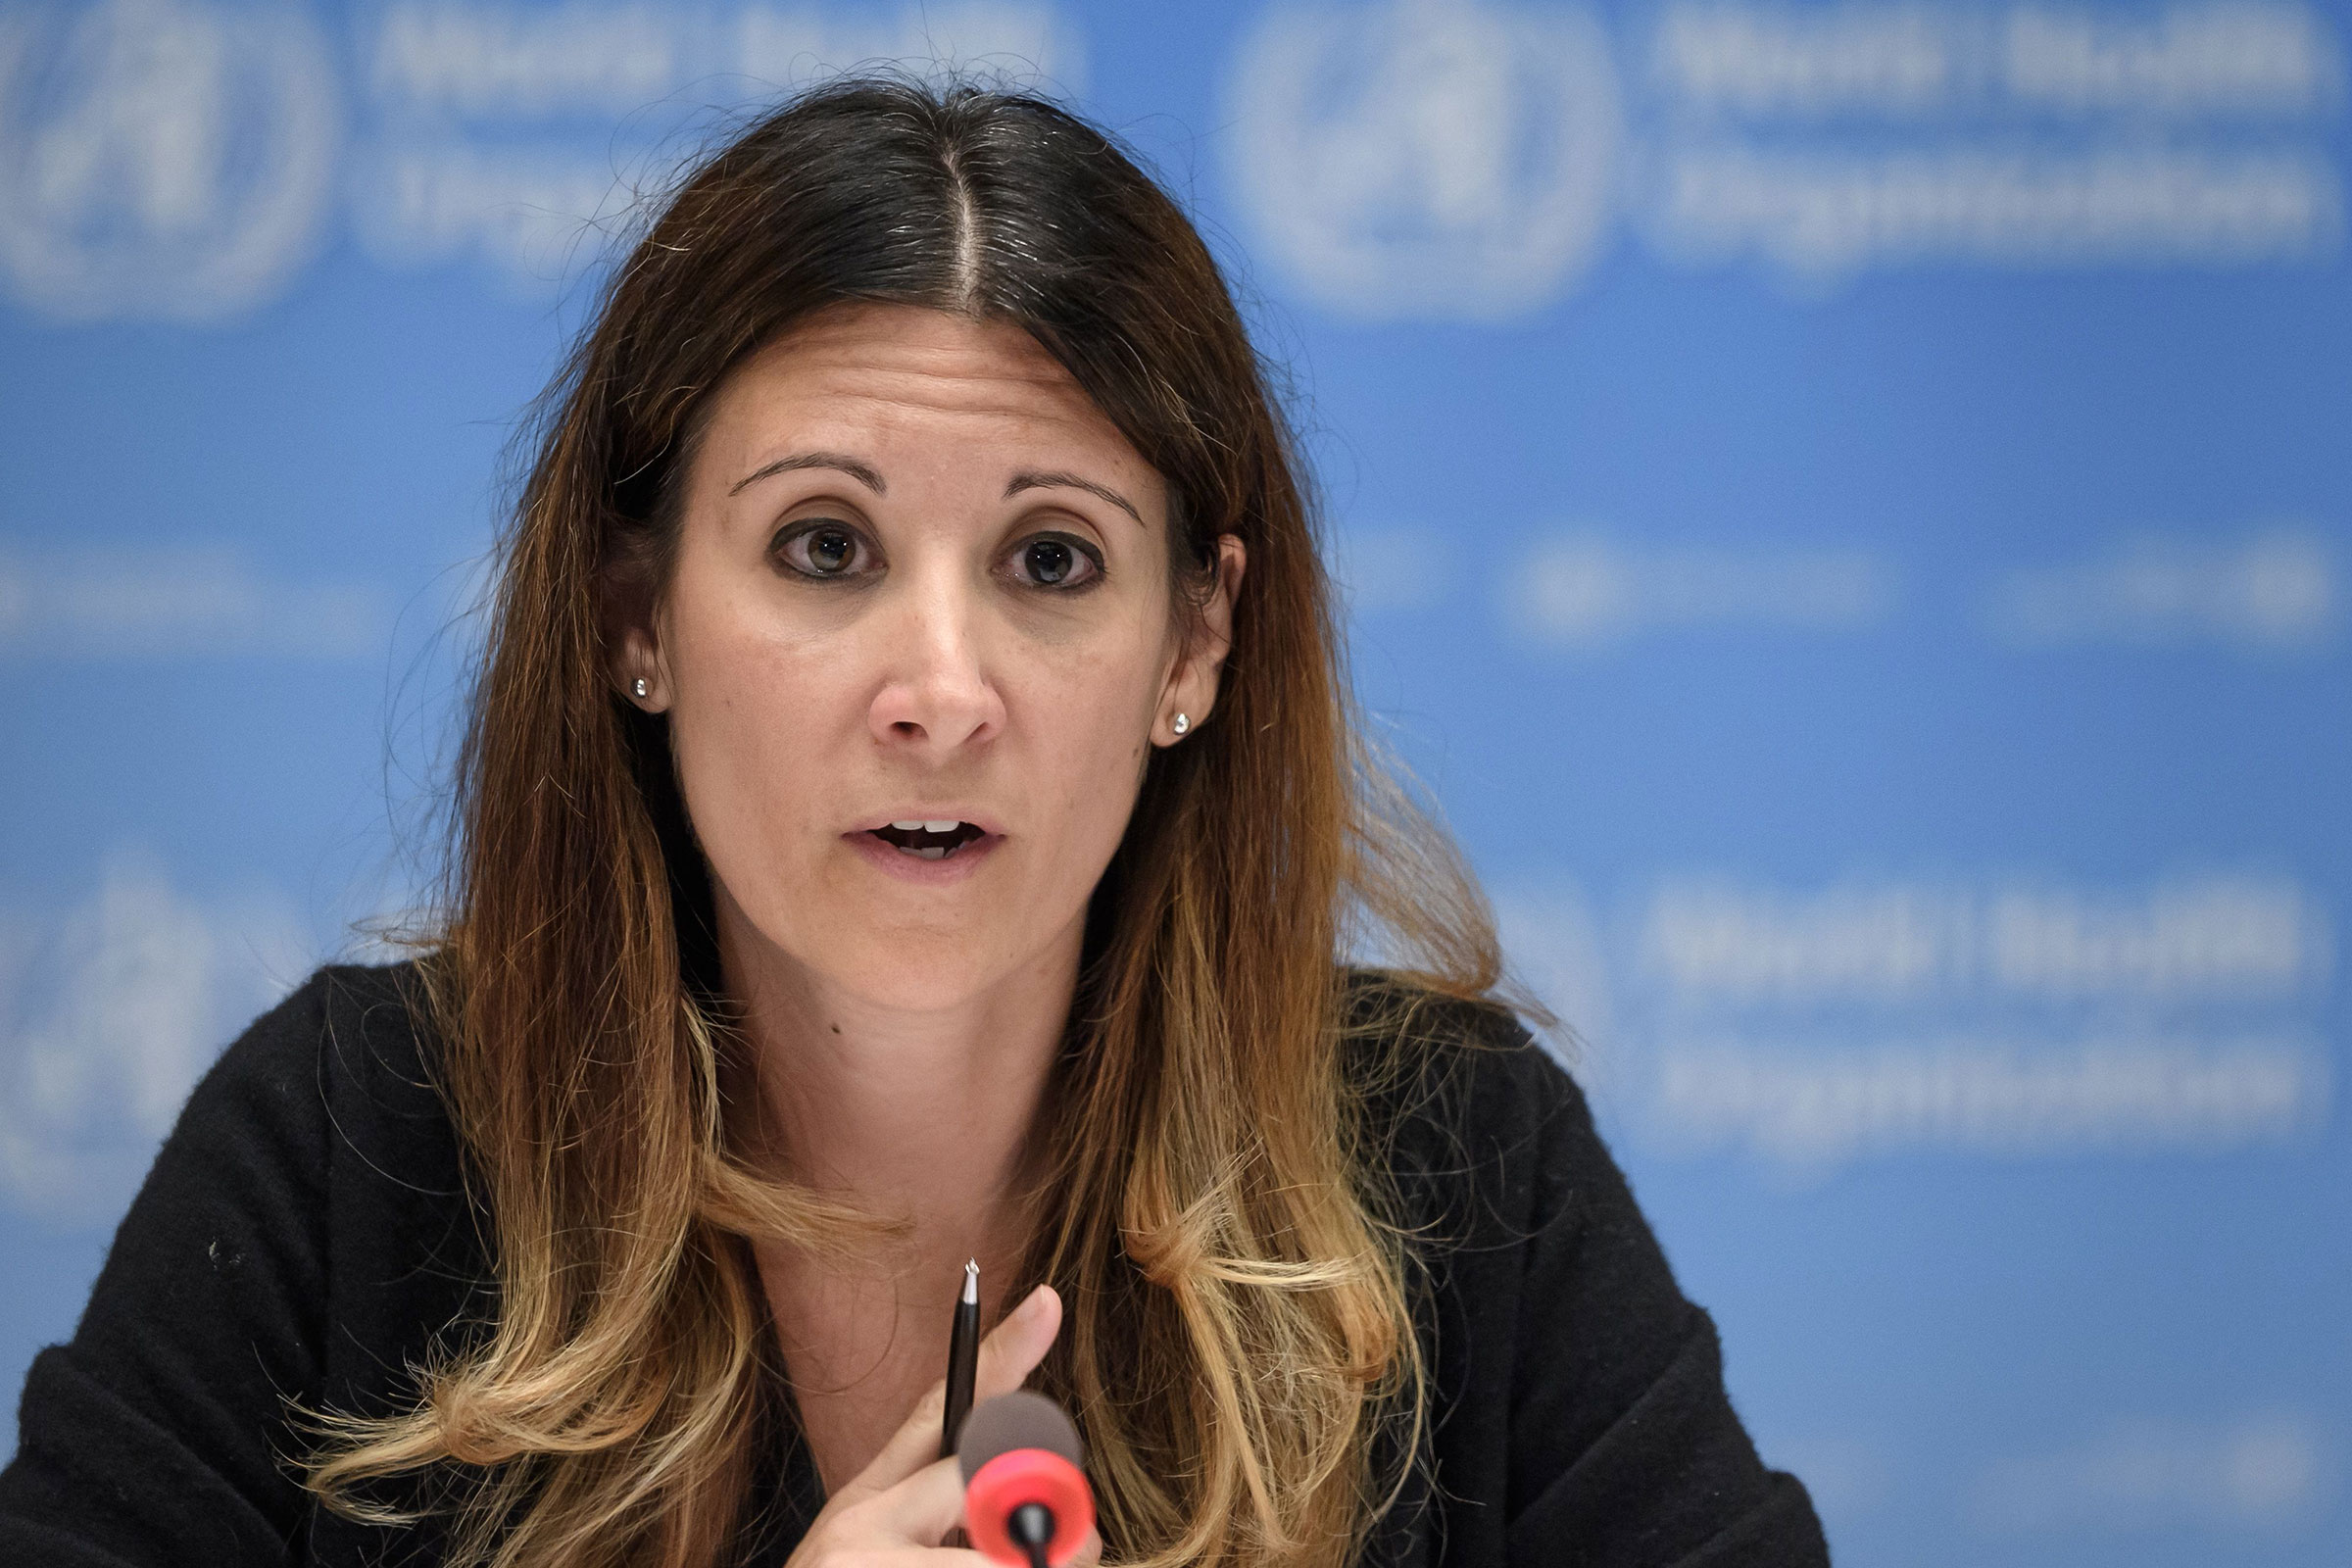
(747, 736)
(1108, 734)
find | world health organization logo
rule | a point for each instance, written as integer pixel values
(160, 158)
(1427, 159)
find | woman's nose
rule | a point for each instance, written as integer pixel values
(936, 695)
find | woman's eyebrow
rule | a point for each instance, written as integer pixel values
(856, 470)
(1051, 481)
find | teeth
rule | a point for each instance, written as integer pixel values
(948, 826)
(937, 852)
(908, 827)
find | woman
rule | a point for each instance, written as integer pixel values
(909, 814)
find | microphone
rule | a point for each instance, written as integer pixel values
(1026, 1502)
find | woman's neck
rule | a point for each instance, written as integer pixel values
(919, 1114)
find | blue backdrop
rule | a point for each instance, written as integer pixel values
(1849, 507)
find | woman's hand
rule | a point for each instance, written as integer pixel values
(900, 1506)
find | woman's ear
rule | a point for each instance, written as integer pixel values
(1192, 689)
(633, 642)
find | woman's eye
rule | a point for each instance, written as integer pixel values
(1052, 562)
(823, 549)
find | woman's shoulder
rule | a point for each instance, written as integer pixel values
(323, 1135)
(1459, 1101)
(298, 1244)
(342, 1078)
(322, 1132)
(348, 1038)
(1435, 1061)
(1579, 1394)
(342, 1015)
(330, 1093)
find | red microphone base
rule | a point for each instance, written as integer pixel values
(1028, 1475)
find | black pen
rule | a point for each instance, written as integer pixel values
(963, 1359)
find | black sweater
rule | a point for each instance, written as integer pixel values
(304, 1237)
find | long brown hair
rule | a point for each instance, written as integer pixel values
(1219, 1224)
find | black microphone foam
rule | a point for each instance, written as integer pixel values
(1016, 1420)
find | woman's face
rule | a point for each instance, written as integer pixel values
(917, 643)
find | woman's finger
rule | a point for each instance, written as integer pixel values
(922, 1508)
(902, 1525)
(919, 1557)
(1012, 1350)
(1010, 1353)
(929, 1503)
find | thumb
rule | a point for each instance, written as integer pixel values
(1008, 1354)
(1012, 1350)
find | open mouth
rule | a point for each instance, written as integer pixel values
(929, 841)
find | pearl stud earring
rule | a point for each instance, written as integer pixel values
(637, 687)
(1181, 724)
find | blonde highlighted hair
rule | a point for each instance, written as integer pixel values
(1218, 1219)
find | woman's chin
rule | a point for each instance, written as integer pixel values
(923, 979)
(889, 932)
(942, 966)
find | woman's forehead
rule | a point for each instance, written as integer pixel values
(919, 357)
(886, 373)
